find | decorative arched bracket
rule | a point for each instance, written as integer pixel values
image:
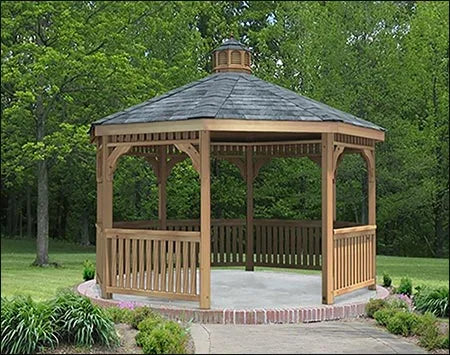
(240, 163)
(111, 162)
(337, 156)
(154, 162)
(190, 150)
(369, 157)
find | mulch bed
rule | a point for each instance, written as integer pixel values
(127, 345)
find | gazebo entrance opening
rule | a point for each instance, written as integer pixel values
(237, 117)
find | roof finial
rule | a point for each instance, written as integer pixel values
(231, 35)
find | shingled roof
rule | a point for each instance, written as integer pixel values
(232, 95)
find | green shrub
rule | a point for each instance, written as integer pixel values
(147, 326)
(432, 338)
(428, 320)
(397, 304)
(405, 287)
(141, 313)
(166, 338)
(119, 315)
(387, 281)
(402, 323)
(428, 330)
(26, 326)
(434, 300)
(374, 305)
(80, 322)
(88, 270)
(383, 315)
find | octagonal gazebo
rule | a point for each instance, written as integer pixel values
(235, 116)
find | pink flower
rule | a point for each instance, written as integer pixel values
(127, 305)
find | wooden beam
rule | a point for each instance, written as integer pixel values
(249, 225)
(327, 218)
(233, 125)
(152, 143)
(162, 187)
(189, 149)
(205, 221)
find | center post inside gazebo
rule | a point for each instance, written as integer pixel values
(173, 258)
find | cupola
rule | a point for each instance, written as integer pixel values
(231, 56)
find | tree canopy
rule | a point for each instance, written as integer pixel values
(67, 64)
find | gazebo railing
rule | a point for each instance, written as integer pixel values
(276, 243)
(288, 243)
(152, 262)
(354, 258)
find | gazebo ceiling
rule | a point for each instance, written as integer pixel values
(232, 93)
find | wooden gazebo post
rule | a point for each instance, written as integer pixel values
(369, 157)
(205, 221)
(249, 219)
(327, 217)
(162, 187)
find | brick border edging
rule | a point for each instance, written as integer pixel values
(249, 316)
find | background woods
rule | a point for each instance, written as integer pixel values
(66, 64)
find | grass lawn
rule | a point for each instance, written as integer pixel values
(19, 278)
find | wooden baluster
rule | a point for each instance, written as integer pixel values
(170, 265)
(228, 244)
(222, 244)
(127, 263)
(293, 240)
(178, 267)
(281, 246)
(141, 263)
(156, 265)
(114, 262)
(148, 264)
(275, 245)
(121, 261)
(193, 269)
(264, 244)
(134, 257)
(185, 267)
(163, 263)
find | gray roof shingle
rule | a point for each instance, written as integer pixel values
(232, 95)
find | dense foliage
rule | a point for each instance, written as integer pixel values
(432, 299)
(28, 326)
(78, 321)
(88, 270)
(159, 336)
(402, 321)
(66, 64)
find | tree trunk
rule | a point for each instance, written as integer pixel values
(29, 214)
(84, 233)
(42, 215)
(42, 199)
(10, 211)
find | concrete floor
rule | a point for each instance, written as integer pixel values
(239, 289)
(338, 337)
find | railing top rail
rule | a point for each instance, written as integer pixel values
(152, 234)
(367, 228)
